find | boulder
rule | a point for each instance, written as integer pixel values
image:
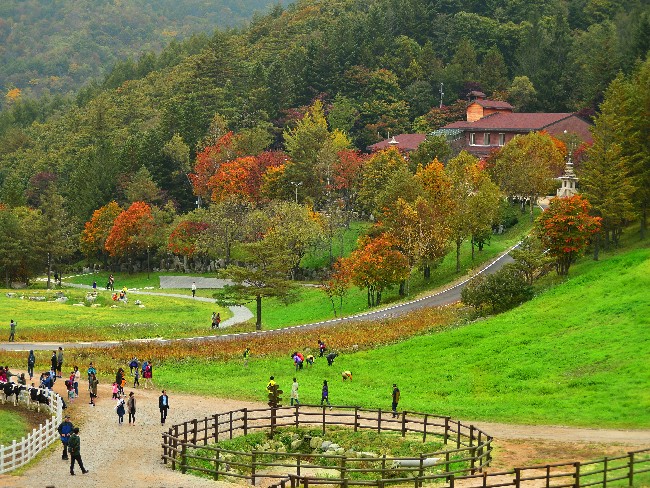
(295, 444)
(333, 447)
(61, 300)
(315, 442)
(325, 445)
(78, 305)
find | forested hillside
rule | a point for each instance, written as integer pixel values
(50, 47)
(376, 65)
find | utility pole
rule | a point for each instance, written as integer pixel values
(442, 93)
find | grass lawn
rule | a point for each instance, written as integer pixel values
(577, 354)
(160, 317)
(14, 426)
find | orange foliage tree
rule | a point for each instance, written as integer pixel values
(96, 230)
(565, 228)
(337, 285)
(376, 265)
(208, 161)
(132, 231)
(347, 172)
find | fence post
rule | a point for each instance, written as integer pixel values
(605, 472)
(426, 423)
(231, 424)
(472, 453)
(447, 469)
(184, 458)
(577, 475)
(205, 431)
(379, 420)
(451, 481)
(323, 419)
(216, 427)
(195, 427)
(342, 468)
(356, 418)
(298, 466)
(297, 413)
(421, 471)
(175, 444)
(383, 466)
(246, 421)
(446, 429)
(458, 435)
(253, 456)
(630, 474)
(216, 465)
(517, 477)
(480, 451)
(548, 476)
(404, 423)
(165, 441)
(471, 435)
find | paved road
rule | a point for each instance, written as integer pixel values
(444, 297)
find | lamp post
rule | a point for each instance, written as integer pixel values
(296, 184)
(147, 262)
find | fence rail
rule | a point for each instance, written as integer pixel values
(19, 453)
(466, 445)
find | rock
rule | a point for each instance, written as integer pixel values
(325, 445)
(333, 447)
(95, 305)
(315, 442)
(141, 306)
(11, 295)
(114, 306)
(61, 300)
(37, 299)
(367, 454)
(78, 305)
(340, 450)
(295, 444)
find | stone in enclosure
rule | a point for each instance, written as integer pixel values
(78, 305)
(296, 444)
(325, 445)
(333, 447)
(315, 442)
(61, 300)
(367, 454)
(96, 305)
(410, 463)
(37, 299)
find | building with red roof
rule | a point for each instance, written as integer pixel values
(404, 142)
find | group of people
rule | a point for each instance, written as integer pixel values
(71, 442)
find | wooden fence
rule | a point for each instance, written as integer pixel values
(469, 448)
(19, 453)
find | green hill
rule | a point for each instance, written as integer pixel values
(577, 354)
(55, 47)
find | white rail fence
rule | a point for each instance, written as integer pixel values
(19, 453)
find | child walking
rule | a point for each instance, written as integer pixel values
(120, 410)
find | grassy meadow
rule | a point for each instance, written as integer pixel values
(14, 426)
(577, 354)
(52, 321)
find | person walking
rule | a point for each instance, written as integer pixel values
(54, 362)
(130, 407)
(396, 394)
(91, 371)
(218, 320)
(74, 446)
(247, 354)
(93, 389)
(325, 395)
(148, 376)
(120, 409)
(65, 429)
(193, 289)
(214, 320)
(163, 405)
(294, 392)
(76, 380)
(136, 378)
(59, 362)
(12, 331)
(133, 364)
(31, 362)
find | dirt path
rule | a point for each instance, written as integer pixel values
(120, 455)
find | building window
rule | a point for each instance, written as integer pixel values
(472, 139)
(486, 139)
(502, 139)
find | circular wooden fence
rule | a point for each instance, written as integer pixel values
(468, 448)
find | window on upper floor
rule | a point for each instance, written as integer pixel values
(472, 138)
(486, 139)
(502, 138)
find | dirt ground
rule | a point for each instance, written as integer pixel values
(130, 455)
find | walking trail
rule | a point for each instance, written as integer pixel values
(130, 455)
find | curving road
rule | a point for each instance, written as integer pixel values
(444, 297)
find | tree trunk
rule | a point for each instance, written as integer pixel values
(7, 279)
(458, 243)
(596, 246)
(402, 288)
(532, 218)
(473, 248)
(258, 303)
(644, 220)
(427, 271)
(378, 301)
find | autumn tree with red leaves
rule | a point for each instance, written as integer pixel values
(337, 285)
(207, 163)
(132, 231)
(376, 265)
(565, 228)
(97, 229)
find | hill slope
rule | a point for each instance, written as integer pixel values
(53, 47)
(575, 355)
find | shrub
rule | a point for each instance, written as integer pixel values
(501, 291)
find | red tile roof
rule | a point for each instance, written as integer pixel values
(497, 104)
(405, 142)
(511, 121)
